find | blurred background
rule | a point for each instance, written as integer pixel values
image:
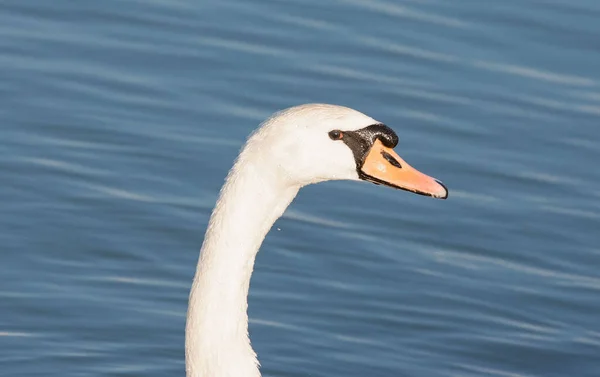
(120, 119)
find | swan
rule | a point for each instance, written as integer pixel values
(293, 148)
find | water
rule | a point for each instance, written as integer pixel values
(120, 119)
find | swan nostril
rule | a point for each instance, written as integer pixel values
(391, 159)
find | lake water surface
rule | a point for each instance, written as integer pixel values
(120, 119)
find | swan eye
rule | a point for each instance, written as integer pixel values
(336, 135)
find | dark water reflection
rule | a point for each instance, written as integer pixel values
(119, 120)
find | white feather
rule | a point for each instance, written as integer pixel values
(290, 150)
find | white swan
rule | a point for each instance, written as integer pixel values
(295, 147)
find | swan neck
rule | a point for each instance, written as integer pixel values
(217, 341)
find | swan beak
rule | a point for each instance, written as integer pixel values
(383, 166)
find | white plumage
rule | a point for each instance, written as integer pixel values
(290, 150)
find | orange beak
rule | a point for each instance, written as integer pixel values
(383, 166)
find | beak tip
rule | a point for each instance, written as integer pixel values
(445, 194)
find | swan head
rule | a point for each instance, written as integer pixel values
(317, 142)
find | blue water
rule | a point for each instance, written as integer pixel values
(120, 119)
